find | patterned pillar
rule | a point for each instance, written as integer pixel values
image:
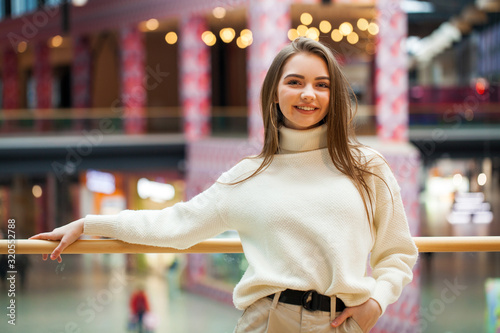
(391, 90)
(81, 73)
(10, 93)
(404, 160)
(195, 74)
(269, 37)
(43, 80)
(391, 76)
(132, 80)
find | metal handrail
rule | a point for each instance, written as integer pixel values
(233, 245)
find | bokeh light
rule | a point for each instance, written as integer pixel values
(336, 35)
(152, 24)
(353, 38)
(22, 47)
(208, 38)
(171, 38)
(362, 24)
(373, 28)
(56, 41)
(227, 35)
(219, 12)
(302, 30)
(306, 18)
(37, 191)
(325, 27)
(345, 28)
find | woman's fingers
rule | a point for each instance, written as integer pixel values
(56, 254)
(53, 235)
(67, 235)
(341, 318)
(47, 236)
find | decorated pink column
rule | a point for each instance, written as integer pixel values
(81, 73)
(392, 110)
(391, 87)
(269, 22)
(10, 93)
(132, 80)
(43, 80)
(196, 90)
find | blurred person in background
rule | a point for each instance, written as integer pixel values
(139, 306)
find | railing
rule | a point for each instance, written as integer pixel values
(424, 244)
(230, 119)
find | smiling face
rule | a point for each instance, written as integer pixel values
(304, 91)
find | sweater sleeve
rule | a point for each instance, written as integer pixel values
(179, 226)
(394, 252)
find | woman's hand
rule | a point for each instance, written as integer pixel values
(366, 315)
(67, 234)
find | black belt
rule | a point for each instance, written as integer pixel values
(309, 300)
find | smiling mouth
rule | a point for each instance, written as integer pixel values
(305, 108)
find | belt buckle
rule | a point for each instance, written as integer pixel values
(310, 300)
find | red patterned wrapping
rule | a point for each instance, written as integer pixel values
(403, 316)
(80, 79)
(391, 72)
(10, 93)
(195, 82)
(43, 79)
(132, 80)
(208, 159)
(269, 37)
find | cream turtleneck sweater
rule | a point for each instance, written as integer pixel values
(302, 224)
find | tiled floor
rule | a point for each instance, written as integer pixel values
(82, 296)
(89, 294)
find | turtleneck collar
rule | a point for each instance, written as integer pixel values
(296, 141)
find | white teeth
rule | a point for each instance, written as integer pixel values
(305, 108)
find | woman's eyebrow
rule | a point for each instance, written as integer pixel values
(303, 77)
(295, 75)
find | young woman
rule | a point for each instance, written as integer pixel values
(309, 210)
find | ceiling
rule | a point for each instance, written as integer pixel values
(423, 24)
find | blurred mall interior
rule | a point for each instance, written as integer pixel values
(120, 104)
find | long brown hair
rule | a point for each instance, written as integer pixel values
(343, 147)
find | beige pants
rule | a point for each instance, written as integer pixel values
(270, 316)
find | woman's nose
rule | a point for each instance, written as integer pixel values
(308, 94)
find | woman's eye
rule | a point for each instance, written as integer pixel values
(293, 82)
(323, 85)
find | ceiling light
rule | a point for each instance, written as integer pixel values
(171, 38)
(306, 18)
(346, 28)
(325, 27)
(336, 35)
(219, 12)
(362, 24)
(302, 30)
(208, 38)
(413, 6)
(152, 24)
(79, 3)
(292, 34)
